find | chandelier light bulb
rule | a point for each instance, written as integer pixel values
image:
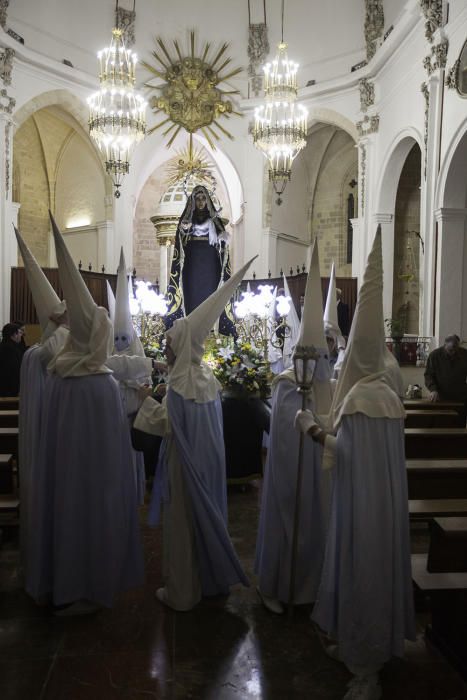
(117, 120)
(280, 130)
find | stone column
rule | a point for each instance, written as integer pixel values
(8, 211)
(432, 91)
(167, 247)
(105, 245)
(386, 221)
(451, 275)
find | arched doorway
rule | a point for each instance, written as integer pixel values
(406, 275)
(451, 221)
(407, 143)
(319, 201)
(56, 167)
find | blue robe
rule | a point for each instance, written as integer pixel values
(87, 532)
(365, 600)
(192, 461)
(275, 532)
(33, 378)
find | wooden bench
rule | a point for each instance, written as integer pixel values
(437, 507)
(437, 478)
(6, 473)
(9, 511)
(444, 443)
(448, 545)
(9, 403)
(430, 419)
(446, 590)
(9, 418)
(427, 405)
(9, 440)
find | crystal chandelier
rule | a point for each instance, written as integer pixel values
(280, 126)
(117, 119)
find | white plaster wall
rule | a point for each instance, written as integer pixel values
(324, 47)
(82, 243)
(392, 12)
(80, 190)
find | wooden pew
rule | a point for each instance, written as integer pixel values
(448, 546)
(437, 478)
(6, 473)
(434, 443)
(427, 405)
(9, 403)
(430, 508)
(9, 441)
(431, 419)
(9, 418)
(442, 574)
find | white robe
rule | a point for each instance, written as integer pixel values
(180, 567)
(33, 376)
(131, 372)
(365, 599)
(199, 558)
(86, 519)
(275, 532)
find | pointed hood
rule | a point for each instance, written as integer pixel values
(90, 340)
(312, 333)
(275, 354)
(110, 301)
(80, 303)
(293, 323)
(46, 300)
(362, 387)
(331, 324)
(125, 338)
(311, 325)
(188, 376)
(123, 324)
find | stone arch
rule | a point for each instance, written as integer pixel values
(386, 193)
(451, 188)
(393, 163)
(159, 154)
(330, 116)
(70, 104)
(451, 217)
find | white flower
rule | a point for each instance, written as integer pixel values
(226, 353)
(247, 362)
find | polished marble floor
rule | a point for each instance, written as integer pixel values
(225, 649)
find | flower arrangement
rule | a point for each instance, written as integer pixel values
(239, 368)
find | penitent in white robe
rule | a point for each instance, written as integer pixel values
(33, 376)
(275, 532)
(199, 559)
(87, 535)
(131, 372)
(365, 600)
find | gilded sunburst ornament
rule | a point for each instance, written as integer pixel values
(190, 95)
(190, 163)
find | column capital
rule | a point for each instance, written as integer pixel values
(381, 218)
(450, 214)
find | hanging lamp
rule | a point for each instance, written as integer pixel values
(117, 119)
(280, 126)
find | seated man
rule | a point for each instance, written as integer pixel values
(446, 371)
